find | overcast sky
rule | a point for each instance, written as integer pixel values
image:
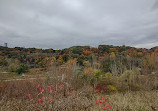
(63, 23)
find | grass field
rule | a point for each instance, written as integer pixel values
(13, 97)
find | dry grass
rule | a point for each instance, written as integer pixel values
(13, 95)
(135, 101)
(13, 98)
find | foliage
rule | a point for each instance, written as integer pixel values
(12, 67)
(108, 76)
(127, 75)
(111, 88)
(112, 56)
(89, 71)
(86, 64)
(77, 50)
(22, 69)
(122, 65)
(107, 68)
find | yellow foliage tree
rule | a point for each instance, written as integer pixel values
(112, 56)
(60, 60)
(150, 63)
(89, 71)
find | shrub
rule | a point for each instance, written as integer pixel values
(22, 69)
(86, 64)
(102, 86)
(127, 76)
(129, 79)
(96, 77)
(3, 63)
(108, 76)
(12, 67)
(112, 88)
(89, 71)
(97, 73)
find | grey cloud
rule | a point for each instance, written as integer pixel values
(64, 23)
(155, 6)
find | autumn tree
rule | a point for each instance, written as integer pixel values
(150, 63)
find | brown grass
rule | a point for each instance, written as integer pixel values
(13, 94)
(13, 98)
(135, 101)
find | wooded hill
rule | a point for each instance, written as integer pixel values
(107, 58)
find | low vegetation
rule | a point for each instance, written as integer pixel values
(79, 78)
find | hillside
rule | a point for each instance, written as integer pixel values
(79, 78)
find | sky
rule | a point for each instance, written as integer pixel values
(61, 24)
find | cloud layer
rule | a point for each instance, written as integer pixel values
(63, 23)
